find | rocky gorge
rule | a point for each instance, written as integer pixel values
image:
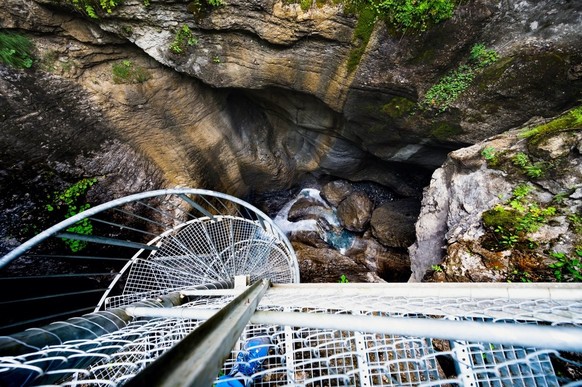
(281, 103)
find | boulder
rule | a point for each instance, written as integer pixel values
(354, 212)
(336, 191)
(328, 265)
(393, 223)
(306, 208)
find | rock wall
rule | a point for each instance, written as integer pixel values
(266, 95)
(504, 210)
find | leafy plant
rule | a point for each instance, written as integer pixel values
(441, 95)
(400, 15)
(15, 50)
(182, 39)
(482, 56)
(566, 268)
(519, 276)
(215, 3)
(489, 154)
(91, 8)
(437, 268)
(71, 201)
(128, 72)
(414, 14)
(343, 279)
(513, 220)
(531, 170)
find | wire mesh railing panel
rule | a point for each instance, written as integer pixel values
(302, 355)
(381, 297)
(186, 236)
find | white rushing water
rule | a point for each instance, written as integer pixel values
(328, 226)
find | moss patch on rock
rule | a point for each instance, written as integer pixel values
(398, 107)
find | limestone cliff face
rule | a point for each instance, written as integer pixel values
(503, 210)
(286, 102)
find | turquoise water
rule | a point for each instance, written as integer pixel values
(341, 240)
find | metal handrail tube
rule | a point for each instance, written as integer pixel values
(540, 336)
(196, 359)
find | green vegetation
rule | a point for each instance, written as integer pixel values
(417, 15)
(399, 15)
(441, 95)
(481, 56)
(445, 130)
(490, 155)
(305, 4)
(92, 8)
(566, 268)
(71, 202)
(398, 107)
(182, 40)
(523, 161)
(437, 268)
(448, 89)
(568, 121)
(199, 8)
(343, 279)
(511, 221)
(128, 72)
(15, 50)
(362, 34)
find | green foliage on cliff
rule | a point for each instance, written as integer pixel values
(441, 95)
(15, 50)
(92, 8)
(182, 40)
(72, 201)
(399, 15)
(128, 72)
(513, 220)
(362, 33)
(418, 15)
(568, 121)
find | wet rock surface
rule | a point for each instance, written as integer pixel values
(324, 238)
(486, 217)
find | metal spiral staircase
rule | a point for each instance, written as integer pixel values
(170, 284)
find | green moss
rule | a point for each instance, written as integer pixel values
(568, 121)
(362, 34)
(492, 73)
(398, 107)
(512, 221)
(444, 130)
